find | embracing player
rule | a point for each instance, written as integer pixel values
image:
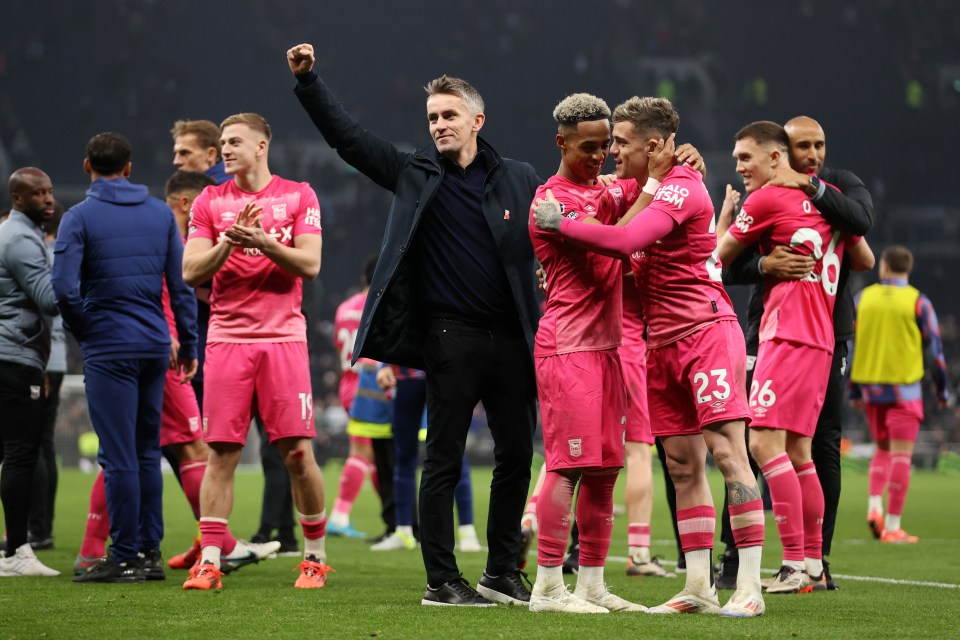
(796, 345)
(696, 357)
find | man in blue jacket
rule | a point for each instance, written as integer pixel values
(25, 296)
(115, 251)
(453, 294)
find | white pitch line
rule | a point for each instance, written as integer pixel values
(914, 583)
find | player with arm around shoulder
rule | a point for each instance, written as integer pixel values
(796, 345)
(695, 356)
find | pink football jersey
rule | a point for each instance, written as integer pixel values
(679, 276)
(800, 311)
(345, 325)
(253, 299)
(583, 288)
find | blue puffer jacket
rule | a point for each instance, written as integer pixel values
(113, 252)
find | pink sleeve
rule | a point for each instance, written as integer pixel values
(199, 225)
(680, 197)
(851, 241)
(308, 217)
(642, 231)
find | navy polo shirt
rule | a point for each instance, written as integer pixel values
(461, 271)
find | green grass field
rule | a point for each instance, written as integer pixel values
(377, 595)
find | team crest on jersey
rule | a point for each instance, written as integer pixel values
(280, 211)
(572, 214)
(617, 194)
(576, 448)
(34, 392)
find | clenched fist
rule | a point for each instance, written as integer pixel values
(301, 59)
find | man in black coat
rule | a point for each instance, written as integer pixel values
(849, 210)
(453, 294)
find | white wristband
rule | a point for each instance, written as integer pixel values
(651, 187)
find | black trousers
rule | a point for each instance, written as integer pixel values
(826, 443)
(46, 477)
(21, 430)
(466, 364)
(383, 459)
(671, 492)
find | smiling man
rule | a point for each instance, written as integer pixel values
(796, 343)
(257, 237)
(453, 294)
(848, 208)
(583, 416)
(695, 351)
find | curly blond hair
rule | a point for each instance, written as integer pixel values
(580, 107)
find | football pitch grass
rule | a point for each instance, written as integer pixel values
(886, 591)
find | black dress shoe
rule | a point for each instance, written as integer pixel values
(109, 570)
(39, 543)
(455, 593)
(152, 565)
(729, 567)
(506, 588)
(571, 563)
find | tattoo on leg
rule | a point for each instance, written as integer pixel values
(739, 493)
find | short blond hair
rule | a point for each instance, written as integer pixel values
(253, 120)
(649, 115)
(580, 107)
(457, 87)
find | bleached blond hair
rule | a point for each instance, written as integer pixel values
(580, 107)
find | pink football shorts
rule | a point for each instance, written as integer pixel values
(180, 417)
(789, 385)
(698, 380)
(274, 375)
(896, 420)
(582, 407)
(638, 415)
